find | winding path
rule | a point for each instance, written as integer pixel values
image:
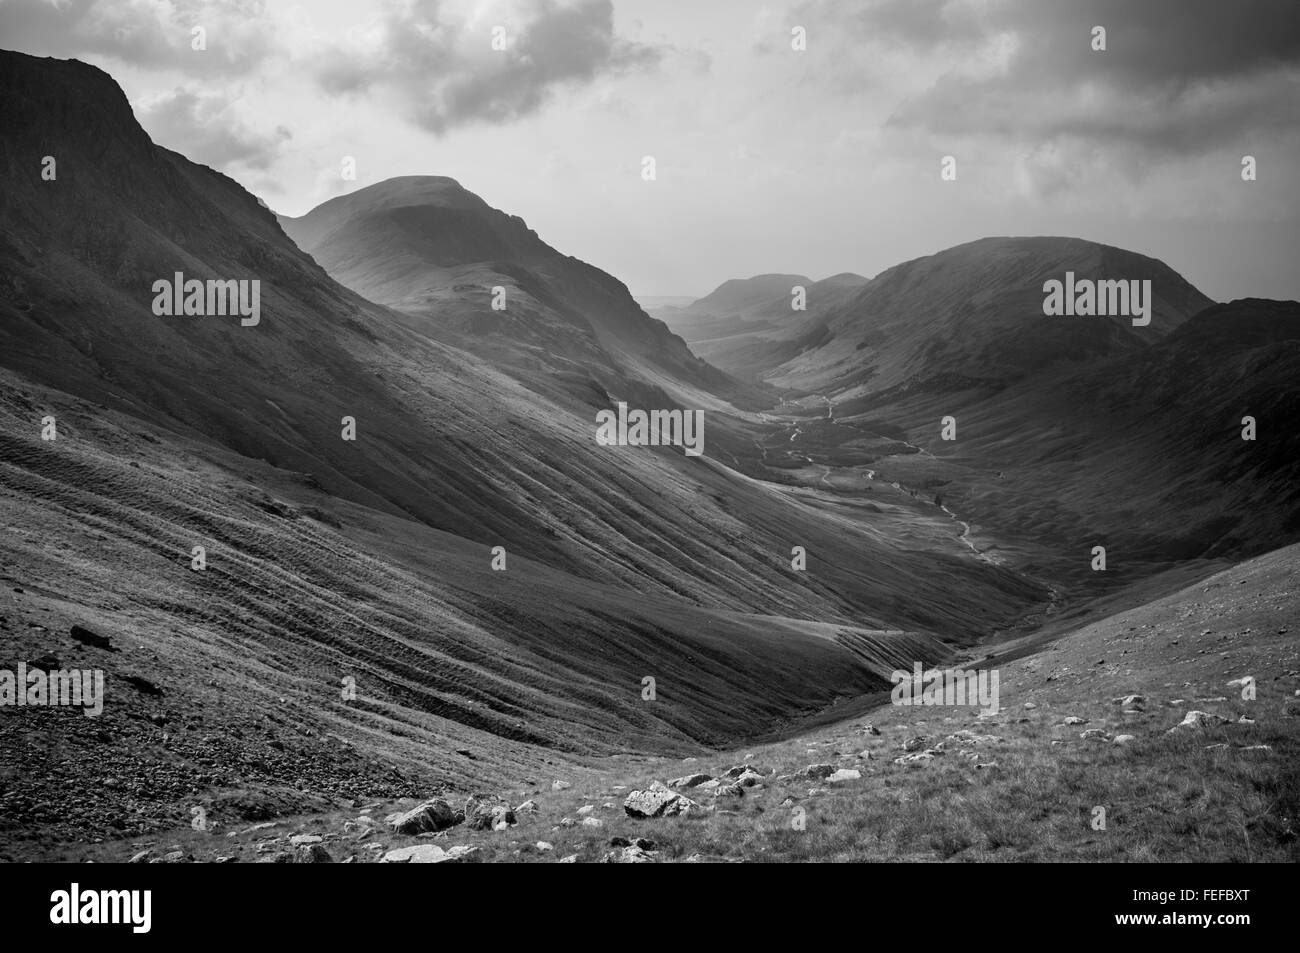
(965, 533)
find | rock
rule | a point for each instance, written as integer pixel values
(844, 774)
(86, 637)
(1194, 720)
(628, 855)
(689, 781)
(592, 822)
(571, 859)
(586, 809)
(816, 772)
(560, 785)
(967, 738)
(1130, 701)
(142, 685)
(488, 814)
(141, 858)
(710, 785)
(914, 758)
(312, 854)
(649, 803)
(658, 801)
(567, 822)
(303, 840)
(733, 789)
(544, 846)
(1094, 734)
(1075, 720)
(1123, 739)
(869, 729)
(430, 854)
(434, 815)
(983, 767)
(528, 807)
(1030, 706)
(177, 857)
(915, 743)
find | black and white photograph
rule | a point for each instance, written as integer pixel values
(649, 432)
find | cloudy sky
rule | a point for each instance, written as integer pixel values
(768, 158)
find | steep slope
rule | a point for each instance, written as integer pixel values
(1145, 452)
(429, 248)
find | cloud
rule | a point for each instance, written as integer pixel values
(204, 129)
(1178, 77)
(145, 34)
(438, 57)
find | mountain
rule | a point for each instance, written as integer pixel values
(425, 246)
(741, 315)
(973, 315)
(371, 558)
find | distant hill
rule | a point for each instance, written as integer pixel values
(740, 315)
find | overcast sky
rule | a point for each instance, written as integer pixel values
(769, 159)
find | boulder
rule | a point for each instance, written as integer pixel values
(1194, 720)
(657, 801)
(914, 758)
(689, 781)
(433, 815)
(430, 854)
(488, 814)
(312, 854)
(86, 637)
(628, 855)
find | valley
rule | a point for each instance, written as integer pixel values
(438, 580)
